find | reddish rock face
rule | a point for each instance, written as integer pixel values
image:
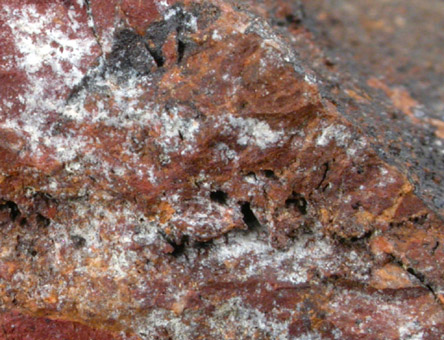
(15, 326)
(175, 170)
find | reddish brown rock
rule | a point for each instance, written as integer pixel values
(15, 326)
(190, 170)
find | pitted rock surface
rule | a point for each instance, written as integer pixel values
(190, 170)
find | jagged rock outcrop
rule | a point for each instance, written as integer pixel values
(193, 170)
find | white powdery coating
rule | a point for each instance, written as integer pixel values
(356, 145)
(130, 108)
(289, 266)
(30, 129)
(146, 327)
(200, 213)
(234, 311)
(337, 133)
(190, 21)
(209, 219)
(162, 5)
(107, 39)
(112, 250)
(254, 131)
(310, 79)
(385, 179)
(225, 154)
(173, 125)
(66, 149)
(408, 330)
(216, 36)
(43, 44)
(126, 96)
(242, 246)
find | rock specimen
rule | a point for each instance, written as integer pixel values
(202, 170)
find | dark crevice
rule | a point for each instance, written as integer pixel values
(42, 221)
(202, 246)
(419, 220)
(158, 33)
(423, 281)
(355, 206)
(420, 276)
(251, 174)
(14, 211)
(324, 176)
(44, 196)
(219, 197)
(364, 236)
(77, 89)
(139, 52)
(181, 245)
(180, 50)
(270, 174)
(78, 241)
(179, 248)
(292, 19)
(248, 217)
(178, 245)
(243, 104)
(435, 247)
(352, 241)
(156, 55)
(297, 201)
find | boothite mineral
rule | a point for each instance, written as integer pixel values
(203, 170)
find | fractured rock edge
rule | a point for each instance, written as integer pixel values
(321, 199)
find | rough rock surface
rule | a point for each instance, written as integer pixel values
(209, 170)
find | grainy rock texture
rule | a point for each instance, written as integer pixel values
(210, 170)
